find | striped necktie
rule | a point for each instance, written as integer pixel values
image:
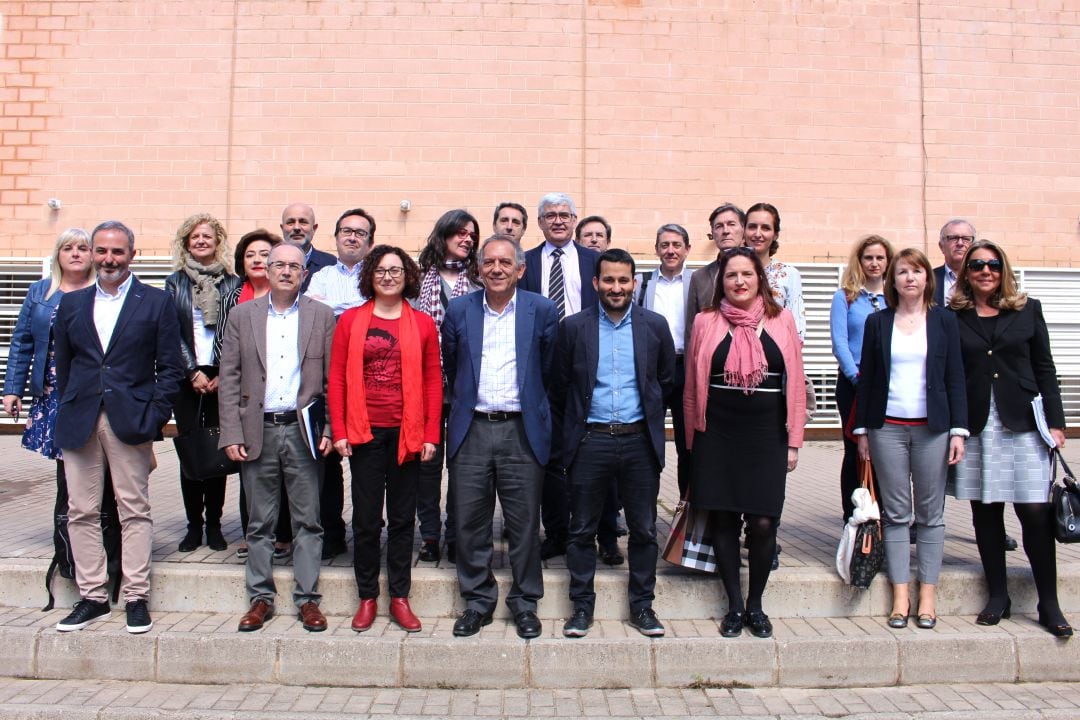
(556, 291)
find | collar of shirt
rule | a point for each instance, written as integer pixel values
(569, 249)
(272, 312)
(678, 277)
(508, 309)
(344, 269)
(121, 292)
(605, 318)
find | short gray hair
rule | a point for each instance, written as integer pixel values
(955, 221)
(556, 198)
(114, 225)
(673, 228)
(519, 254)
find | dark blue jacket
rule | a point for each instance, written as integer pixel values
(135, 380)
(533, 280)
(29, 347)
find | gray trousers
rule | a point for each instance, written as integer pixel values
(495, 459)
(911, 463)
(284, 455)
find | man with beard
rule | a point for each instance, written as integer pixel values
(615, 369)
(298, 227)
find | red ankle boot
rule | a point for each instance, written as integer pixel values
(402, 614)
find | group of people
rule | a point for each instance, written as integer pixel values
(542, 380)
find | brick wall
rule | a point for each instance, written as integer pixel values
(851, 116)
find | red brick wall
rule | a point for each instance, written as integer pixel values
(851, 116)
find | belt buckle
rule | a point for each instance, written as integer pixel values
(280, 418)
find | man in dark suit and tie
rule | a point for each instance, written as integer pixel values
(562, 271)
(498, 351)
(615, 370)
(275, 360)
(118, 371)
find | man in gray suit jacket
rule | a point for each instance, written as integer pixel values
(275, 360)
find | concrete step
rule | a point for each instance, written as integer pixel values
(192, 647)
(793, 592)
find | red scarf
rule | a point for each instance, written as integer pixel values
(357, 425)
(745, 366)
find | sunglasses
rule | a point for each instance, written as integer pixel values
(978, 265)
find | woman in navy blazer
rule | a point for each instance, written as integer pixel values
(1007, 362)
(911, 418)
(30, 353)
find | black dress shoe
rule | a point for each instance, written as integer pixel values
(610, 555)
(192, 540)
(429, 551)
(578, 625)
(993, 612)
(1010, 543)
(646, 623)
(758, 622)
(528, 625)
(470, 623)
(732, 624)
(1055, 623)
(552, 547)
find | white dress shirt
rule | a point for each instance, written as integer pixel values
(669, 299)
(282, 358)
(950, 283)
(107, 310)
(571, 273)
(337, 286)
(204, 338)
(497, 387)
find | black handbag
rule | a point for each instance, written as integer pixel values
(868, 555)
(198, 452)
(1065, 499)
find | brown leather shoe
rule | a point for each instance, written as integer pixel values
(402, 614)
(259, 613)
(365, 615)
(312, 617)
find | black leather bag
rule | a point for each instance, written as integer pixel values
(1065, 499)
(198, 452)
(868, 555)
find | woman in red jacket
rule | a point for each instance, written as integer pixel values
(385, 399)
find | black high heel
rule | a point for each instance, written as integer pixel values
(1058, 627)
(990, 617)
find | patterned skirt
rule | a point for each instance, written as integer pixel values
(1000, 465)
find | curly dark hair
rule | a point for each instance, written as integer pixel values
(367, 274)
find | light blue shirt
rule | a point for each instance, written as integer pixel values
(337, 286)
(846, 323)
(615, 398)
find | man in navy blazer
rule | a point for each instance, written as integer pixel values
(498, 349)
(615, 371)
(298, 227)
(118, 371)
(954, 239)
(562, 271)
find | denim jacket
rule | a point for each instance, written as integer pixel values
(30, 340)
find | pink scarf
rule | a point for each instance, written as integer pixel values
(745, 366)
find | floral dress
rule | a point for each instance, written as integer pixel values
(41, 417)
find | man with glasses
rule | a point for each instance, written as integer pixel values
(298, 227)
(338, 286)
(562, 271)
(726, 226)
(275, 360)
(954, 240)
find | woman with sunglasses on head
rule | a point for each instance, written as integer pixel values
(861, 293)
(911, 421)
(385, 400)
(448, 270)
(745, 409)
(1007, 362)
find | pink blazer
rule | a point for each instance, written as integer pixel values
(710, 327)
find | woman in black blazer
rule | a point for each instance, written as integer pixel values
(202, 277)
(1007, 362)
(911, 417)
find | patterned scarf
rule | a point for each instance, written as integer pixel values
(431, 301)
(745, 366)
(204, 292)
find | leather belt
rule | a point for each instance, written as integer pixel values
(280, 418)
(617, 428)
(498, 416)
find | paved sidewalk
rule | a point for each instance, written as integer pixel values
(93, 700)
(809, 533)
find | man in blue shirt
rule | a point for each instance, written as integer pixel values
(616, 365)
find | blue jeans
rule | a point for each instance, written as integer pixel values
(631, 461)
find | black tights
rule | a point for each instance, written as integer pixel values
(761, 545)
(1036, 521)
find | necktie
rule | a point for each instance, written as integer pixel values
(556, 291)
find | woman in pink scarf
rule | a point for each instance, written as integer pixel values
(745, 404)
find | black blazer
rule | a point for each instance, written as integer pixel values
(315, 263)
(939, 286)
(576, 358)
(135, 380)
(178, 285)
(946, 401)
(1015, 362)
(532, 280)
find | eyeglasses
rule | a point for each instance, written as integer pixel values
(280, 265)
(979, 265)
(466, 232)
(959, 239)
(560, 216)
(390, 272)
(359, 234)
